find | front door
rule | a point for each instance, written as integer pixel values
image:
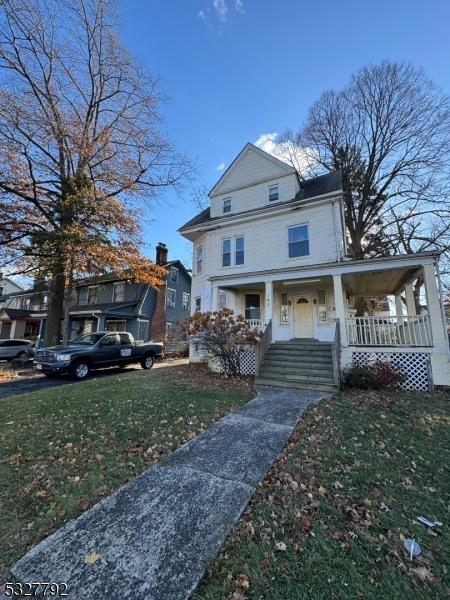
(303, 317)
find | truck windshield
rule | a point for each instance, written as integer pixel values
(89, 339)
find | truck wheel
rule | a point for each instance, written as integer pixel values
(147, 361)
(79, 370)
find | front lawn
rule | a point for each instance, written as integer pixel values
(330, 518)
(62, 449)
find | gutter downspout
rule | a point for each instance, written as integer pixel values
(98, 319)
(443, 316)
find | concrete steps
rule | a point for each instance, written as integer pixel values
(301, 364)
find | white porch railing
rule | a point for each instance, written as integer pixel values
(259, 323)
(399, 331)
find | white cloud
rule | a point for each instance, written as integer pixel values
(221, 9)
(287, 151)
(220, 167)
(239, 6)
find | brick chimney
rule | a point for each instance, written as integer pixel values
(158, 322)
(161, 254)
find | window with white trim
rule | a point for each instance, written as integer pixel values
(171, 298)
(198, 304)
(186, 300)
(239, 250)
(173, 274)
(222, 300)
(119, 291)
(273, 193)
(298, 241)
(143, 330)
(199, 260)
(226, 205)
(115, 325)
(322, 312)
(92, 294)
(226, 252)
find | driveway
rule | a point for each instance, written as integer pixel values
(38, 381)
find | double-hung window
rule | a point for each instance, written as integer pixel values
(199, 259)
(226, 252)
(273, 193)
(92, 294)
(173, 274)
(186, 300)
(198, 304)
(298, 241)
(171, 298)
(239, 250)
(119, 291)
(222, 300)
(226, 205)
(233, 247)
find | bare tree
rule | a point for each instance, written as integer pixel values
(389, 132)
(80, 140)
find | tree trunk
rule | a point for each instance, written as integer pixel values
(66, 311)
(55, 309)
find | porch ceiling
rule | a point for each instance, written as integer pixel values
(377, 283)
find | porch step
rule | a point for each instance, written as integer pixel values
(305, 385)
(296, 366)
(302, 364)
(292, 375)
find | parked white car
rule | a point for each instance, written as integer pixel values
(10, 349)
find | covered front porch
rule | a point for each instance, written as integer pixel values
(321, 303)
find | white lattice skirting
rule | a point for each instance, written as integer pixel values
(248, 363)
(415, 366)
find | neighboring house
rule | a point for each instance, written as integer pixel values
(273, 248)
(109, 303)
(17, 319)
(8, 286)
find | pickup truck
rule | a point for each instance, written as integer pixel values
(96, 350)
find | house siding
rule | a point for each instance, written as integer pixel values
(256, 196)
(182, 285)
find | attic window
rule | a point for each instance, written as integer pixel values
(273, 193)
(227, 205)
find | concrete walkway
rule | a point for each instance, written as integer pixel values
(153, 538)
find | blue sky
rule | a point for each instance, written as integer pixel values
(235, 70)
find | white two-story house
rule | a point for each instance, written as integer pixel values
(273, 248)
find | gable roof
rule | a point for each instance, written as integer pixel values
(282, 167)
(178, 264)
(309, 189)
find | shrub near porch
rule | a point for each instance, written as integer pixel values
(317, 528)
(65, 448)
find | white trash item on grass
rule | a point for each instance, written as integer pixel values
(412, 547)
(428, 523)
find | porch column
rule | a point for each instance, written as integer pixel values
(268, 307)
(434, 307)
(398, 304)
(215, 298)
(410, 302)
(339, 304)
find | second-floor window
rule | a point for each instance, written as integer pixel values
(186, 299)
(230, 245)
(273, 193)
(199, 260)
(226, 205)
(226, 252)
(298, 241)
(119, 291)
(171, 298)
(92, 294)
